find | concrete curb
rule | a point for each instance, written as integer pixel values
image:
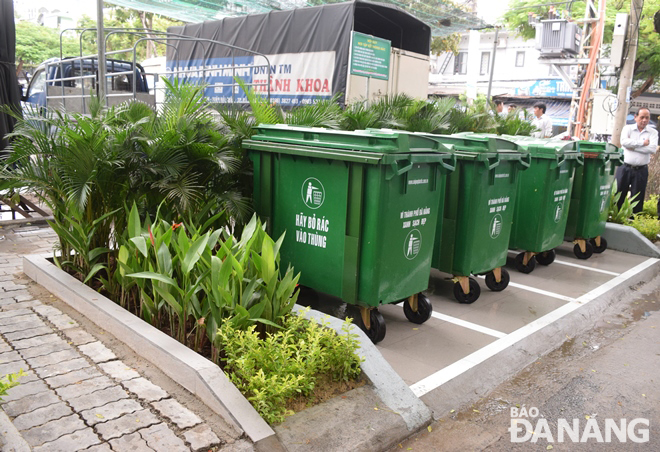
(389, 386)
(28, 221)
(195, 373)
(11, 440)
(629, 240)
(479, 380)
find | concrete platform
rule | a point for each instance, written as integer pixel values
(465, 350)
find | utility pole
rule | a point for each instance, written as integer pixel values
(627, 72)
(100, 45)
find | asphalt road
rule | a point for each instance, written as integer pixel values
(591, 387)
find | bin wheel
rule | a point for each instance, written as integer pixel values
(588, 251)
(424, 310)
(546, 257)
(601, 248)
(525, 268)
(468, 298)
(378, 329)
(498, 286)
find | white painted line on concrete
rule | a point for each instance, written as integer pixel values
(598, 270)
(571, 264)
(539, 291)
(470, 325)
(450, 372)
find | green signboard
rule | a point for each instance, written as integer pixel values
(370, 56)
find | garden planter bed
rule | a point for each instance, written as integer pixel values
(405, 412)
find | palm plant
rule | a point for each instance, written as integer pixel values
(359, 116)
(425, 116)
(324, 113)
(514, 123)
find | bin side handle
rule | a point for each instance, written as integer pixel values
(526, 160)
(492, 163)
(580, 159)
(395, 170)
(449, 166)
(560, 160)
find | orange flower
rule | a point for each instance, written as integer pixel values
(176, 225)
(151, 236)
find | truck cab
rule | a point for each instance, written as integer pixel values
(67, 82)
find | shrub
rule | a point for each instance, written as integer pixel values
(272, 371)
(648, 226)
(651, 206)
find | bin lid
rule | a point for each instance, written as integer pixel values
(597, 146)
(472, 143)
(379, 141)
(545, 147)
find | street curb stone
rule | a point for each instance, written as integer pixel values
(629, 240)
(190, 370)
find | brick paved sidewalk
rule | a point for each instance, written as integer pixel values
(77, 394)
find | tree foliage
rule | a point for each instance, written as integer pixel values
(647, 63)
(35, 43)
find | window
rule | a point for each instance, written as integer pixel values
(38, 83)
(485, 63)
(520, 59)
(460, 63)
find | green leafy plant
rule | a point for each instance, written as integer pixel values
(199, 278)
(514, 123)
(648, 226)
(620, 215)
(9, 381)
(651, 207)
(286, 363)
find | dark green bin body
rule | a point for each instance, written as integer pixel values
(364, 231)
(544, 194)
(473, 237)
(592, 188)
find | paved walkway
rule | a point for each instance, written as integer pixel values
(77, 395)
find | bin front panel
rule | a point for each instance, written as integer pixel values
(309, 203)
(400, 217)
(591, 199)
(542, 205)
(478, 213)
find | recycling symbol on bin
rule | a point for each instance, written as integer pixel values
(412, 244)
(495, 226)
(313, 193)
(559, 209)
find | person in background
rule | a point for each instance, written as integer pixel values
(542, 122)
(512, 107)
(499, 108)
(638, 141)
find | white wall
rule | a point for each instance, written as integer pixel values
(506, 74)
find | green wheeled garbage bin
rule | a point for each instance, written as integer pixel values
(359, 210)
(473, 237)
(542, 205)
(590, 200)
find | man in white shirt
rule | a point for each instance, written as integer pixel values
(542, 122)
(638, 141)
